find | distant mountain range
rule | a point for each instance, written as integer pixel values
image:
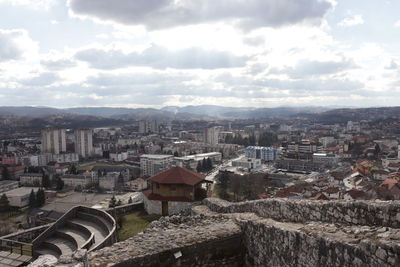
(170, 112)
(204, 112)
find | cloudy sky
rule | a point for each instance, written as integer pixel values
(154, 53)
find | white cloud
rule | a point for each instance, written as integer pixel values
(42, 79)
(397, 24)
(182, 52)
(34, 4)
(306, 68)
(161, 58)
(392, 65)
(157, 14)
(352, 21)
(15, 44)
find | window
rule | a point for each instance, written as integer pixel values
(173, 187)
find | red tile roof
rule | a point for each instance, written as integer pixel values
(178, 175)
(332, 190)
(389, 183)
(356, 194)
(321, 196)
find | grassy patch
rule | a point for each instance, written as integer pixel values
(134, 223)
(95, 164)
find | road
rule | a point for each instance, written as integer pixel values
(211, 176)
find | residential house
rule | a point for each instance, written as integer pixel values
(389, 189)
(354, 194)
(138, 184)
(19, 197)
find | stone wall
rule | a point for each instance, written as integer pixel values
(152, 206)
(382, 213)
(271, 243)
(125, 209)
(174, 207)
(178, 241)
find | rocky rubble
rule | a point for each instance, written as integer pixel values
(78, 259)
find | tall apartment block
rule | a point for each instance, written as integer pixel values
(153, 164)
(149, 127)
(53, 141)
(84, 142)
(211, 135)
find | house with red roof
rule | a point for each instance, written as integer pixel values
(174, 190)
(389, 189)
(354, 194)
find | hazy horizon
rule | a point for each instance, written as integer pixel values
(184, 106)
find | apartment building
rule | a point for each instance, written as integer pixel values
(151, 164)
(53, 140)
(84, 142)
(260, 152)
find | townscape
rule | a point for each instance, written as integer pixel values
(199, 133)
(167, 166)
(240, 159)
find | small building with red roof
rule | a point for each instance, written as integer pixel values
(174, 190)
(389, 189)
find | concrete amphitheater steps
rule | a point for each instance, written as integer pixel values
(96, 218)
(79, 237)
(65, 245)
(98, 232)
(81, 227)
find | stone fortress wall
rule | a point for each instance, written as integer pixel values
(273, 232)
(372, 213)
(317, 233)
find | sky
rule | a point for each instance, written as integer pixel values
(237, 53)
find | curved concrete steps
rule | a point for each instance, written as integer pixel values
(65, 246)
(81, 227)
(94, 228)
(79, 237)
(49, 248)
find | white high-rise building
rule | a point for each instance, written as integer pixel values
(84, 142)
(149, 127)
(211, 135)
(153, 164)
(53, 141)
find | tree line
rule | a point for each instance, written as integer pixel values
(37, 199)
(235, 187)
(204, 165)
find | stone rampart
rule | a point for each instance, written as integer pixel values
(178, 241)
(372, 213)
(125, 209)
(270, 243)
